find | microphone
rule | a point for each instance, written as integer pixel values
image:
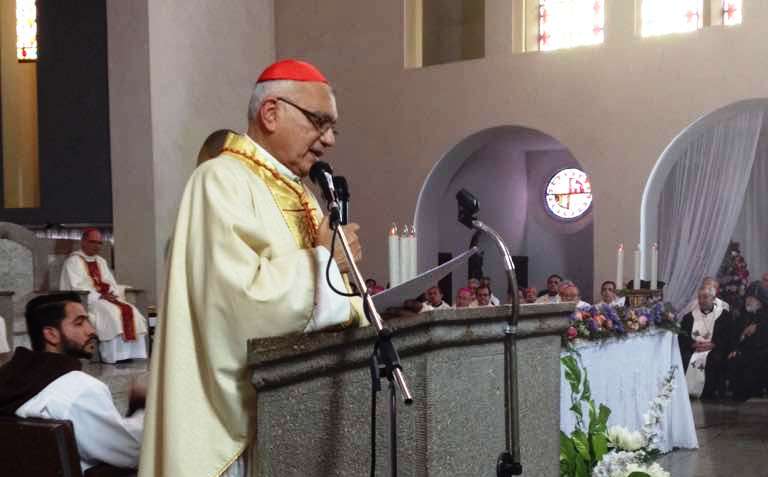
(321, 174)
(342, 195)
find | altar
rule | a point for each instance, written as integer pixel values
(625, 374)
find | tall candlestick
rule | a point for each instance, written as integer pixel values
(393, 242)
(405, 256)
(638, 263)
(620, 267)
(655, 267)
(414, 252)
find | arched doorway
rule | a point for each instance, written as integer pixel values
(734, 137)
(507, 168)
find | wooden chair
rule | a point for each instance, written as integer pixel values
(45, 448)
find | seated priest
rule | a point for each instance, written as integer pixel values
(464, 298)
(120, 325)
(4, 348)
(705, 343)
(47, 382)
(434, 298)
(552, 293)
(712, 283)
(608, 295)
(486, 282)
(748, 361)
(483, 294)
(569, 292)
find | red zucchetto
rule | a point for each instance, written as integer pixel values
(294, 70)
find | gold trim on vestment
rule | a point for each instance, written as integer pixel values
(291, 198)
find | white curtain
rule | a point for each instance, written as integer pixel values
(752, 230)
(702, 201)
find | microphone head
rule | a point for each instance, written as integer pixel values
(318, 170)
(341, 187)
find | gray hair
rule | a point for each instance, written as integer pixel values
(263, 90)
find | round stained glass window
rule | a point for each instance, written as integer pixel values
(569, 194)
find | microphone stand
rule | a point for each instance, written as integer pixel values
(385, 361)
(508, 463)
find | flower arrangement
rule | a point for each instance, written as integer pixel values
(605, 321)
(598, 451)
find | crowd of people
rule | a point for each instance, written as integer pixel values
(725, 348)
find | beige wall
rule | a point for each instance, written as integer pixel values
(19, 123)
(183, 73)
(615, 106)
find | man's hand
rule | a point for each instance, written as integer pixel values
(325, 235)
(703, 346)
(749, 330)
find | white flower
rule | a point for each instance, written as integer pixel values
(653, 470)
(625, 439)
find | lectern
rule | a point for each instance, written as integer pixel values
(314, 396)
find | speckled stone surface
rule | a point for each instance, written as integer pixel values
(315, 396)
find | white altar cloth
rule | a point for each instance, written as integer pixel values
(626, 374)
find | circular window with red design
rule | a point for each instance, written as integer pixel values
(569, 194)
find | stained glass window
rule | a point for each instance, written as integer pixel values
(569, 194)
(660, 17)
(26, 30)
(569, 23)
(732, 12)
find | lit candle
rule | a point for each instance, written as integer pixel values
(636, 279)
(620, 267)
(393, 241)
(655, 267)
(413, 255)
(405, 256)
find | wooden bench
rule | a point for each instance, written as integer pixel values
(45, 448)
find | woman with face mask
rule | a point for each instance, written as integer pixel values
(747, 362)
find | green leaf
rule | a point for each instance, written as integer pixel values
(576, 409)
(581, 442)
(586, 394)
(599, 446)
(602, 418)
(572, 373)
(638, 474)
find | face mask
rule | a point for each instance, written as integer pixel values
(752, 308)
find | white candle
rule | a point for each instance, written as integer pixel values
(638, 263)
(413, 255)
(393, 241)
(655, 267)
(405, 256)
(620, 267)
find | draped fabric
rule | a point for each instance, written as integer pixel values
(752, 229)
(702, 201)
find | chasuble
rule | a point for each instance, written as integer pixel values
(243, 265)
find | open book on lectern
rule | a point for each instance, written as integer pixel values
(394, 297)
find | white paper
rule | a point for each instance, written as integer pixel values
(394, 297)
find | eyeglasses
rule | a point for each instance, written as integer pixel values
(321, 122)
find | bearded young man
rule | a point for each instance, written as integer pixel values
(47, 382)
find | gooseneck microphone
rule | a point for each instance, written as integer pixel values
(342, 196)
(322, 175)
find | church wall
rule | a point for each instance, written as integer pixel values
(554, 246)
(502, 196)
(195, 76)
(614, 106)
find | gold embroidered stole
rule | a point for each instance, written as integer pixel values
(298, 208)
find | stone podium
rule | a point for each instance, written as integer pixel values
(314, 396)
